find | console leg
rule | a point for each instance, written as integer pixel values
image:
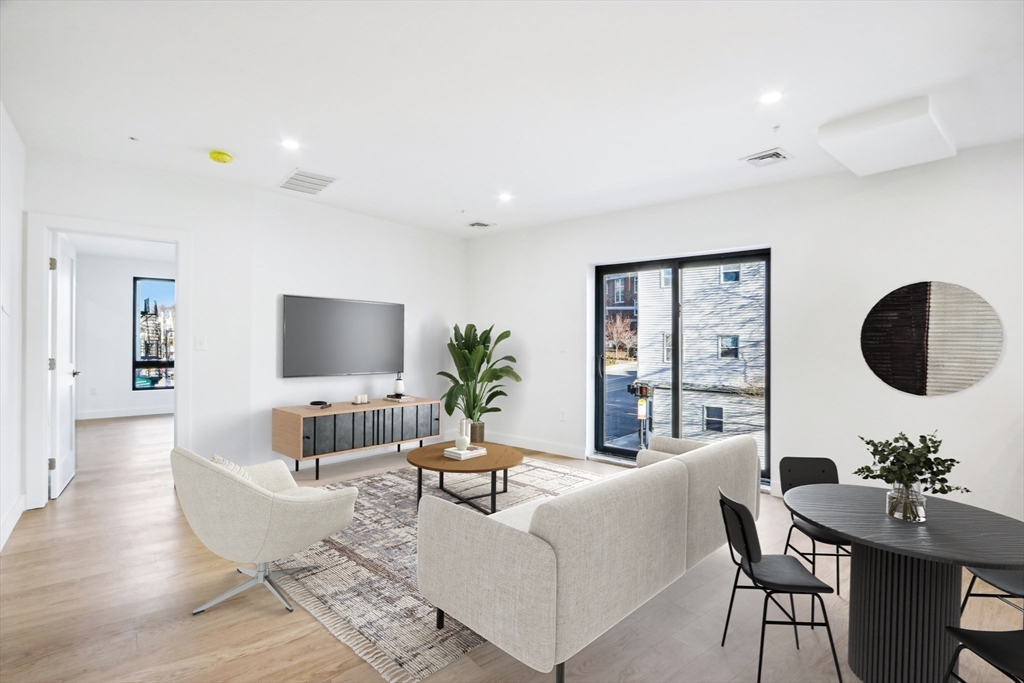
(560, 673)
(318, 469)
(296, 465)
(421, 443)
(440, 618)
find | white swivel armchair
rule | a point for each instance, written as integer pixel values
(259, 516)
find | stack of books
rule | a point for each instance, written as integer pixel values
(470, 452)
(404, 398)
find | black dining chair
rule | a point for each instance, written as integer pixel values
(1002, 649)
(1010, 581)
(771, 574)
(795, 472)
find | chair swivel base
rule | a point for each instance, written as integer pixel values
(262, 574)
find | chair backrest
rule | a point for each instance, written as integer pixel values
(230, 515)
(740, 528)
(795, 472)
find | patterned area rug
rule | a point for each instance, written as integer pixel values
(364, 588)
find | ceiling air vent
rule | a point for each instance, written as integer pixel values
(306, 182)
(768, 157)
(480, 225)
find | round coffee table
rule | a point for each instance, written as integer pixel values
(432, 458)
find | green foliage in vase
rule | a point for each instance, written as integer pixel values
(901, 462)
(473, 386)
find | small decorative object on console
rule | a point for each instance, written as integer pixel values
(909, 469)
(465, 453)
(399, 386)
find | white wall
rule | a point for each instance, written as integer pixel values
(12, 200)
(839, 243)
(104, 338)
(250, 247)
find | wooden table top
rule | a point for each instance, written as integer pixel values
(952, 532)
(432, 458)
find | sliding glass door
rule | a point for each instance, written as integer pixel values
(683, 350)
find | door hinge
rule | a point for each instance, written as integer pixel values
(52, 465)
(53, 364)
(53, 264)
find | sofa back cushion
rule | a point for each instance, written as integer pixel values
(617, 543)
(731, 464)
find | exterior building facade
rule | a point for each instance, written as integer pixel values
(723, 357)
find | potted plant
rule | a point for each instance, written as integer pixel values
(909, 468)
(474, 385)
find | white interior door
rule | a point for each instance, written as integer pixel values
(64, 373)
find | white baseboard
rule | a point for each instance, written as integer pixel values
(123, 412)
(537, 445)
(11, 518)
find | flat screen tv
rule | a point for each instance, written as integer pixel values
(341, 337)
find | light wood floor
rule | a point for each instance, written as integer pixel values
(99, 586)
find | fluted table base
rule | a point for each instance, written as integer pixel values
(899, 608)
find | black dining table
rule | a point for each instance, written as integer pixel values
(906, 577)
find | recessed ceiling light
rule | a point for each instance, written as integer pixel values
(771, 97)
(505, 197)
(288, 143)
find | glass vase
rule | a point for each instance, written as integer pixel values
(906, 503)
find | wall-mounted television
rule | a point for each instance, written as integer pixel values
(341, 337)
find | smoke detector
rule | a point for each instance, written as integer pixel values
(481, 226)
(306, 182)
(768, 157)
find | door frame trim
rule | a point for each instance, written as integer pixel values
(38, 319)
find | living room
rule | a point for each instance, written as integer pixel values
(586, 135)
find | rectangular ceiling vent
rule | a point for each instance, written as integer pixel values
(768, 157)
(480, 225)
(306, 182)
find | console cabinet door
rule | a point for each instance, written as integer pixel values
(308, 430)
(409, 423)
(343, 432)
(435, 419)
(324, 435)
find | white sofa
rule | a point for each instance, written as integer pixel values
(543, 580)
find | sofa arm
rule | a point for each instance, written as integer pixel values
(665, 447)
(495, 579)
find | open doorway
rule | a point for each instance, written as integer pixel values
(113, 328)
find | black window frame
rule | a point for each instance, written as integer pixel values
(676, 264)
(147, 364)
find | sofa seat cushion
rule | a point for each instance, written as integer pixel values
(519, 517)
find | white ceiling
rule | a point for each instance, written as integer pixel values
(101, 245)
(426, 111)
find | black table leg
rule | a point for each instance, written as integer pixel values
(440, 480)
(504, 488)
(494, 492)
(419, 485)
(899, 608)
(318, 469)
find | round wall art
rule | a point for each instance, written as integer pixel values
(931, 338)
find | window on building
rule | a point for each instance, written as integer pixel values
(153, 361)
(666, 347)
(731, 273)
(728, 346)
(666, 278)
(714, 419)
(620, 290)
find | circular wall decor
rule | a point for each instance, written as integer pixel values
(931, 338)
